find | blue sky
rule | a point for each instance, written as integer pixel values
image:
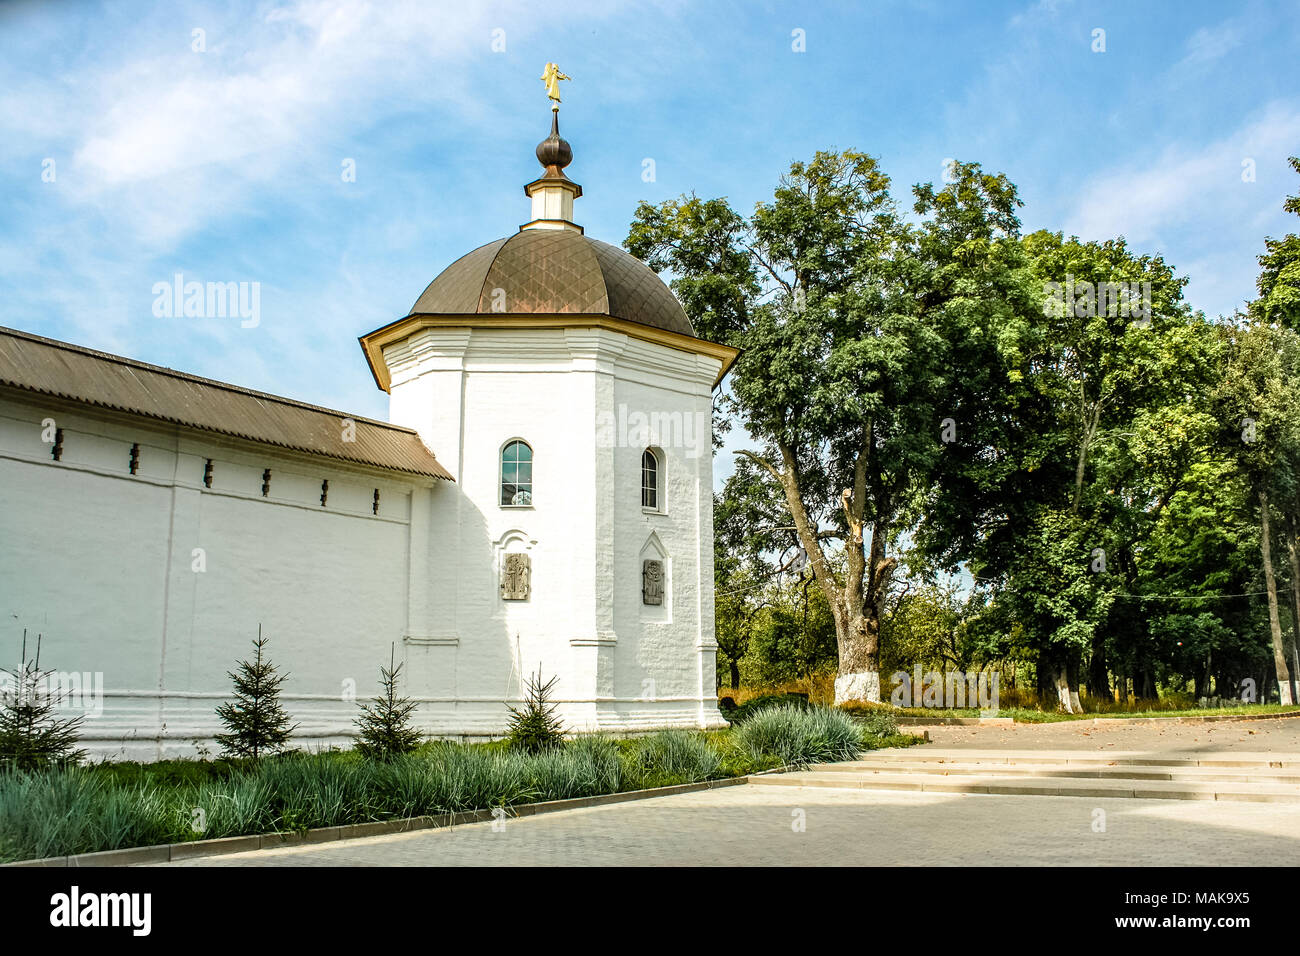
(225, 165)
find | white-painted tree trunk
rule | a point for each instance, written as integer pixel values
(859, 686)
(1063, 691)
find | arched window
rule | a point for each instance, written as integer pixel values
(650, 471)
(516, 474)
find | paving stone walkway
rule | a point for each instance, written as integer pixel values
(756, 826)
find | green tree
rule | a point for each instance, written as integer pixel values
(534, 727)
(851, 323)
(926, 623)
(794, 636)
(1279, 276)
(1260, 410)
(32, 735)
(1192, 618)
(754, 545)
(1278, 305)
(737, 601)
(384, 729)
(256, 724)
(1111, 410)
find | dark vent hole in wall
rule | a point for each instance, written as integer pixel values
(266, 482)
(324, 491)
(135, 457)
(207, 473)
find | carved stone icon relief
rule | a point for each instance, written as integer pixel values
(652, 581)
(516, 577)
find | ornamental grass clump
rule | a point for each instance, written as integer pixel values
(320, 790)
(64, 811)
(674, 756)
(229, 807)
(584, 767)
(800, 737)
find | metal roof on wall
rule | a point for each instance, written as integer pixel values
(47, 366)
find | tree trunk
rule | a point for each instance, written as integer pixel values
(1072, 667)
(858, 677)
(1293, 553)
(1061, 680)
(1280, 662)
(1148, 685)
(857, 601)
(1089, 433)
(1043, 685)
(1098, 676)
(735, 675)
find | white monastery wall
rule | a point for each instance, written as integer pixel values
(103, 564)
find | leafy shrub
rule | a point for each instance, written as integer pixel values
(171, 773)
(800, 737)
(739, 714)
(878, 724)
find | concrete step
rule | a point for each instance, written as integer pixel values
(1031, 785)
(1220, 759)
(1090, 771)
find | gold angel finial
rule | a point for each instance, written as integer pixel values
(551, 76)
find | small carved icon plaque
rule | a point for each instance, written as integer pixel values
(516, 577)
(652, 581)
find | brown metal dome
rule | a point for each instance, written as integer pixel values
(554, 271)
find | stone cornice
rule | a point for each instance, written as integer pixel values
(374, 343)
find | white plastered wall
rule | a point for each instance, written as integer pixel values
(622, 665)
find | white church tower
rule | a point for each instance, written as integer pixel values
(558, 380)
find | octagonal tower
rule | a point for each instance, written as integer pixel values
(560, 382)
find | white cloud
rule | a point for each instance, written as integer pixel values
(172, 160)
(200, 131)
(1210, 43)
(1188, 184)
(1035, 12)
